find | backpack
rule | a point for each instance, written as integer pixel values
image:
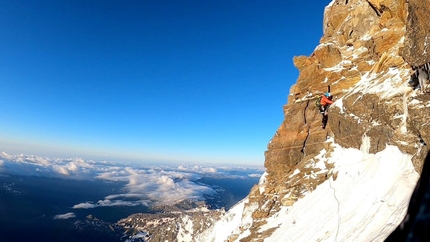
(318, 102)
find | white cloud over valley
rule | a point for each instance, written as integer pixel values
(142, 185)
(108, 203)
(65, 216)
(159, 186)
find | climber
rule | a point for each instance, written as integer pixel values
(423, 78)
(326, 101)
(413, 82)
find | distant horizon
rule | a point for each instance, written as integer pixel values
(124, 162)
(139, 161)
(150, 81)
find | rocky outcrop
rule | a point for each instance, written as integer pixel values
(363, 42)
(417, 38)
(365, 59)
(169, 224)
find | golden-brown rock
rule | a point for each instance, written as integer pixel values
(416, 50)
(363, 42)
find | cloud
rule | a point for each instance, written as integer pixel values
(65, 216)
(74, 168)
(143, 186)
(166, 189)
(114, 196)
(60, 169)
(85, 205)
(196, 168)
(109, 203)
(159, 186)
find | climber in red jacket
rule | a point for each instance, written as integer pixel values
(326, 101)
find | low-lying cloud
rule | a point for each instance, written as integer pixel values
(158, 186)
(108, 203)
(75, 168)
(143, 186)
(65, 216)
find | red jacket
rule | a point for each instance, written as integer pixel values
(325, 101)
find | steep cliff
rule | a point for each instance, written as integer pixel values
(366, 57)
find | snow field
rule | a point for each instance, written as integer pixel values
(365, 203)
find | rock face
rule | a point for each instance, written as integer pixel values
(363, 42)
(366, 58)
(416, 47)
(168, 225)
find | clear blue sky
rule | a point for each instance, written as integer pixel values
(149, 81)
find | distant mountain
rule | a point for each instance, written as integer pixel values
(172, 223)
(351, 181)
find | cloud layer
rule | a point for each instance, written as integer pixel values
(108, 203)
(143, 186)
(65, 216)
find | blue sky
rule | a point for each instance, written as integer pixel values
(149, 81)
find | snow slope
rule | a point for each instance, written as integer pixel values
(225, 226)
(359, 204)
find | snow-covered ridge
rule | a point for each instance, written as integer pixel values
(360, 203)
